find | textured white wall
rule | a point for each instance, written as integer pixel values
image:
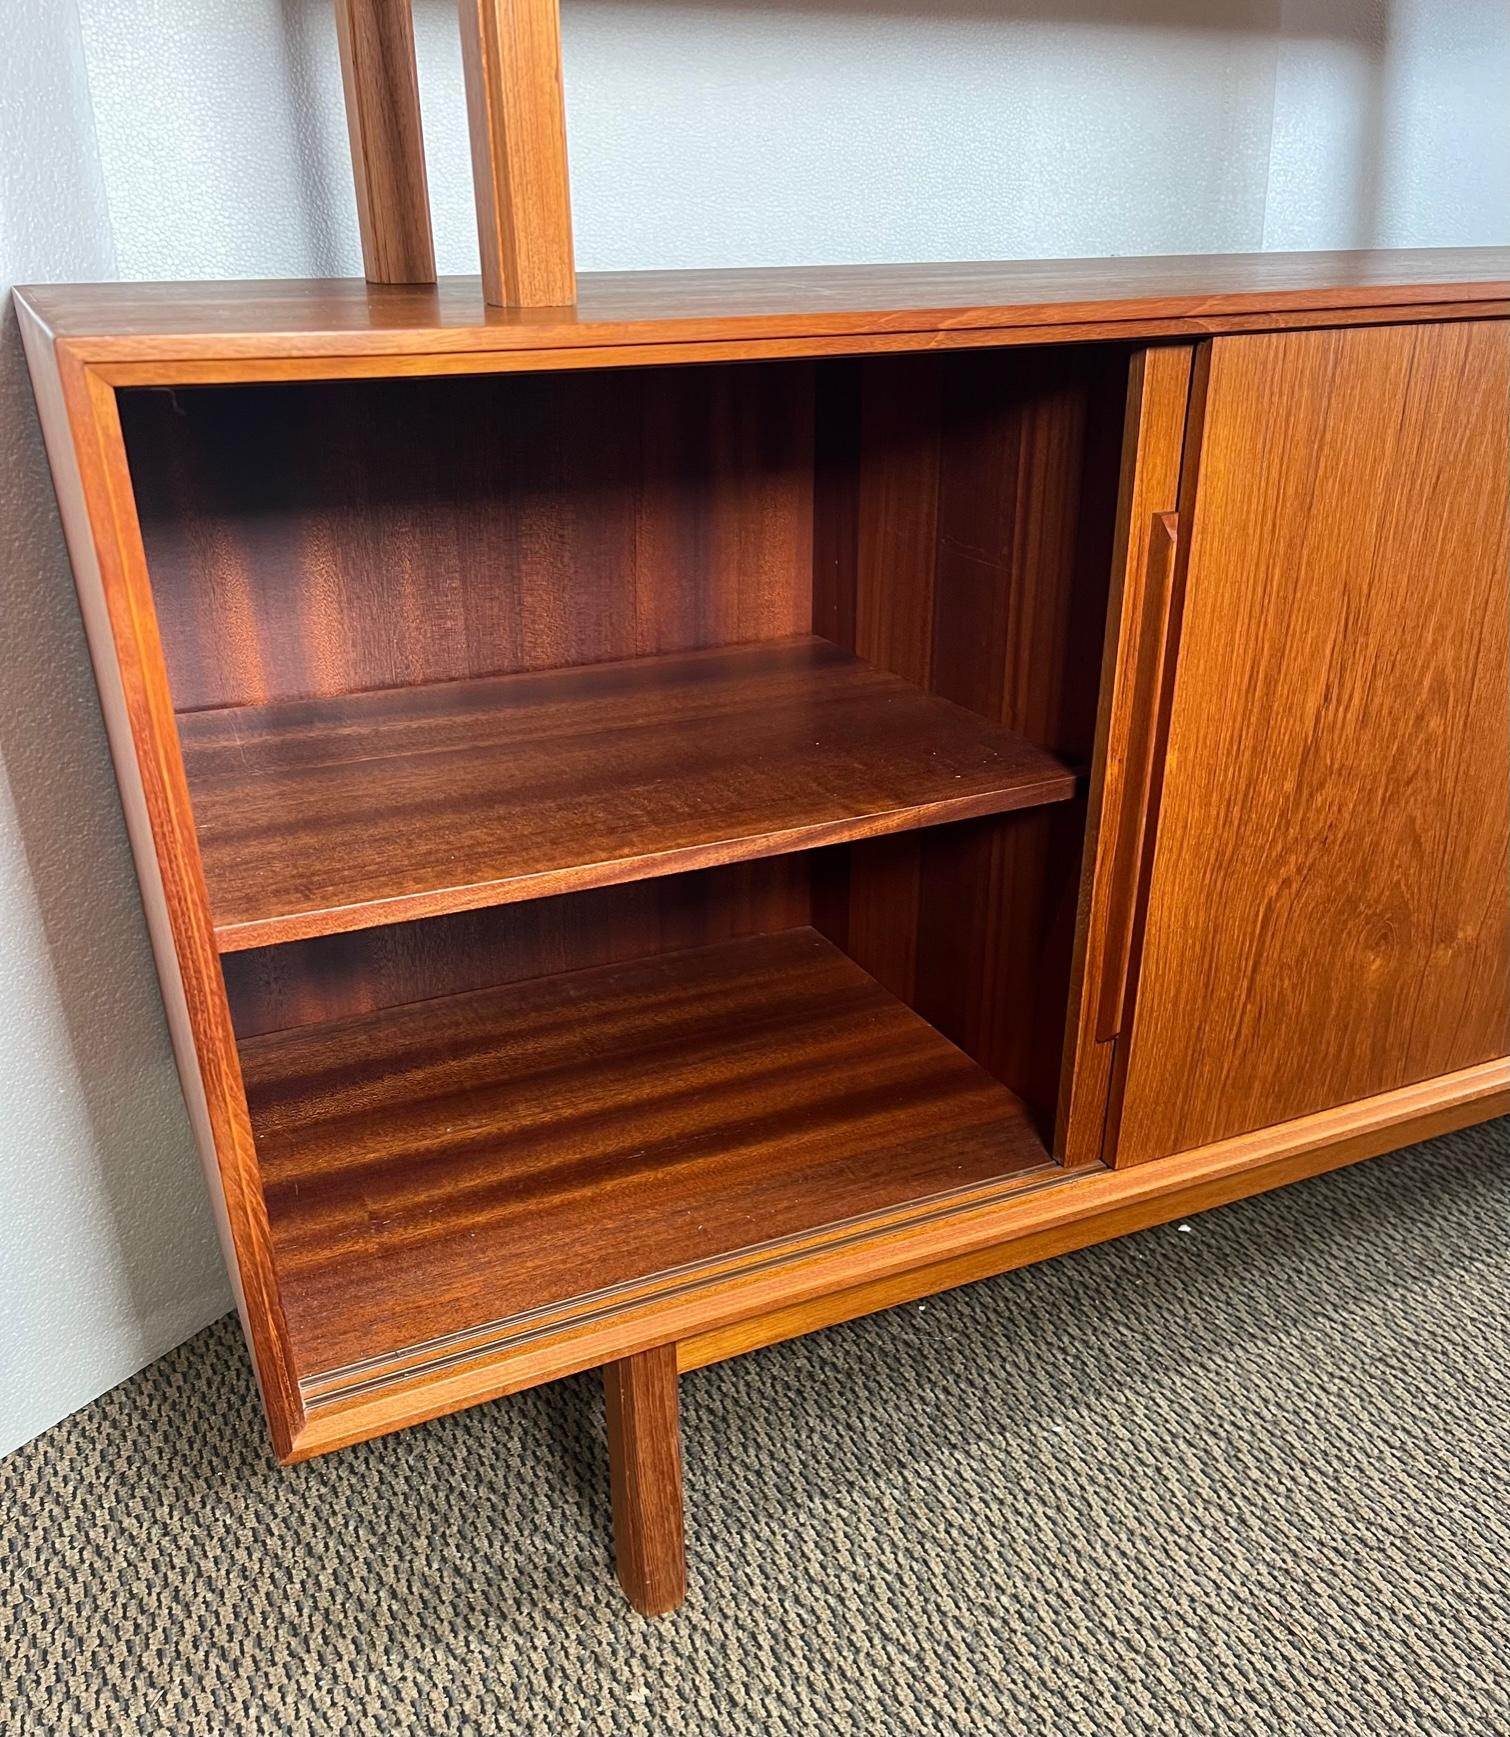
(184, 138)
(107, 1257)
(1390, 125)
(729, 132)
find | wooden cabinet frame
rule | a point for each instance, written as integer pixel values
(88, 346)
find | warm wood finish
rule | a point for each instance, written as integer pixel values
(314, 540)
(973, 1239)
(511, 57)
(645, 1473)
(387, 147)
(1100, 1205)
(1030, 301)
(1151, 671)
(319, 817)
(335, 976)
(648, 352)
(1327, 916)
(963, 531)
(452, 1165)
(663, 1120)
(1135, 674)
(85, 445)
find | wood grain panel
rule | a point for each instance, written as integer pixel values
(915, 303)
(378, 75)
(973, 556)
(1327, 917)
(315, 540)
(334, 977)
(317, 817)
(436, 1167)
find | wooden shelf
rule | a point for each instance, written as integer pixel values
(434, 1171)
(327, 815)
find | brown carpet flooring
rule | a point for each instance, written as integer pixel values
(1246, 1477)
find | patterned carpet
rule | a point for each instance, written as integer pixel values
(1248, 1476)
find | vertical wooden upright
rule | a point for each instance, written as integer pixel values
(645, 1465)
(387, 145)
(1134, 702)
(511, 53)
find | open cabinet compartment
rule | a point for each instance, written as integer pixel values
(641, 809)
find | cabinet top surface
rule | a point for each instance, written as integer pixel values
(125, 322)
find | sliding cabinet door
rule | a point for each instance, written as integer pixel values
(1326, 908)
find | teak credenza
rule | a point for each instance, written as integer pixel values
(672, 822)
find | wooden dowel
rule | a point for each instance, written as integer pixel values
(387, 145)
(645, 1469)
(511, 54)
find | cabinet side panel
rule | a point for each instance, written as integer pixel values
(1327, 916)
(84, 447)
(316, 539)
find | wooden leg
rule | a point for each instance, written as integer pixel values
(645, 1467)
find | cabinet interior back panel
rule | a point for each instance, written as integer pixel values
(315, 539)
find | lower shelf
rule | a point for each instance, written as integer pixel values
(440, 1168)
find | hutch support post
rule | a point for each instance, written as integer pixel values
(376, 39)
(511, 55)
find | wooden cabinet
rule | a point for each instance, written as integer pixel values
(671, 822)
(1327, 911)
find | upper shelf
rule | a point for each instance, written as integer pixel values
(318, 816)
(771, 308)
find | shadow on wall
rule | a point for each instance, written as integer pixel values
(1360, 26)
(1340, 196)
(1345, 18)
